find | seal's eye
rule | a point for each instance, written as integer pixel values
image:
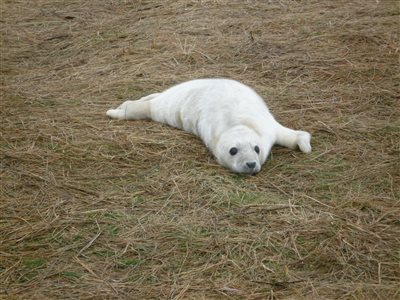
(257, 149)
(233, 151)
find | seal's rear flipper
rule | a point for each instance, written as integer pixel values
(133, 110)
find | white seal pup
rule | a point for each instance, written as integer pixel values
(230, 118)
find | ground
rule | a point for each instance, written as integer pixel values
(93, 208)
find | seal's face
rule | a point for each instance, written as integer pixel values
(242, 153)
(244, 158)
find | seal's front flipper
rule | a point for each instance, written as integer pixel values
(304, 141)
(293, 138)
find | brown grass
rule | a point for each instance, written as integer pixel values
(93, 208)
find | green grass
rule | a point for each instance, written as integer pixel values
(34, 263)
(71, 275)
(130, 262)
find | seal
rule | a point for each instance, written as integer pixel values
(230, 118)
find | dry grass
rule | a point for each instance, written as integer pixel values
(93, 208)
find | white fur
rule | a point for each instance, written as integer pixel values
(224, 114)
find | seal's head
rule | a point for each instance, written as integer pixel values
(242, 150)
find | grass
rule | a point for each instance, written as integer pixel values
(94, 208)
(34, 263)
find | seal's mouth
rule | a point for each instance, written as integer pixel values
(254, 173)
(249, 171)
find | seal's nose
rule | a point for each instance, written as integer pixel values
(251, 165)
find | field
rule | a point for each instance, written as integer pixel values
(93, 208)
